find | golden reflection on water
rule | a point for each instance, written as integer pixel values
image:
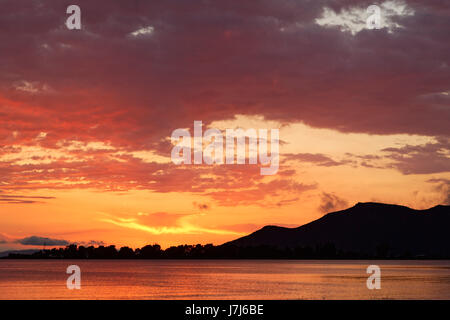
(223, 279)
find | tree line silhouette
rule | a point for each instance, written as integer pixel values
(209, 251)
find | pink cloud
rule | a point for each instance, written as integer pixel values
(209, 61)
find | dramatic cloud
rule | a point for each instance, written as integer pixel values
(211, 60)
(93, 108)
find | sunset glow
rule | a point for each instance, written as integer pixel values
(87, 116)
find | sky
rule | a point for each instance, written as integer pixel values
(87, 115)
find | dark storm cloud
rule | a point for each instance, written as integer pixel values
(40, 241)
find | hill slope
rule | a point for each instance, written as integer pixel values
(365, 228)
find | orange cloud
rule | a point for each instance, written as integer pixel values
(164, 223)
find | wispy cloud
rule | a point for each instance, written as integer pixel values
(19, 199)
(40, 241)
(174, 224)
(330, 202)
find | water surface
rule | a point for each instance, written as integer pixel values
(223, 279)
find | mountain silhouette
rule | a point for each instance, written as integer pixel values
(373, 229)
(365, 231)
